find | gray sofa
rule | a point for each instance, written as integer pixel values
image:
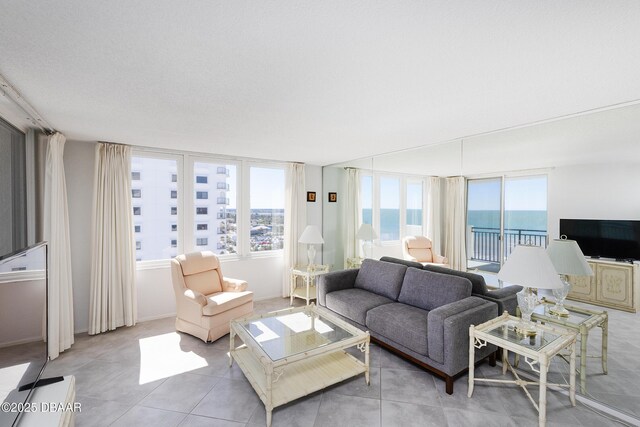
(505, 297)
(422, 315)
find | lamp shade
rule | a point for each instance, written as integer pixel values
(366, 232)
(530, 266)
(311, 235)
(567, 258)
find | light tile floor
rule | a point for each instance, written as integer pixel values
(150, 375)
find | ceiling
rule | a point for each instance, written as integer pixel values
(319, 82)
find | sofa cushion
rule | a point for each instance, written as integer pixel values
(429, 290)
(477, 281)
(382, 278)
(401, 323)
(401, 261)
(223, 301)
(354, 303)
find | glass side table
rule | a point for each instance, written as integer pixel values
(582, 321)
(538, 350)
(308, 273)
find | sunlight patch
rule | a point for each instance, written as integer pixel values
(161, 357)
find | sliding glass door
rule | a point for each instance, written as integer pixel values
(504, 212)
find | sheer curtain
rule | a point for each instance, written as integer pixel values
(433, 231)
(113, 292)
(454, 224)
(295, 219)
(56, 232)
(352, 211)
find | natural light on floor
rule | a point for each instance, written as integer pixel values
(161, 357)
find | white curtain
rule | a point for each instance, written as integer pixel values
(295, 219)
(56, 232)
(433, 230)
(113, 292)
(352, 212)
(454, 224)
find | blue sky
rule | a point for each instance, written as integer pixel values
(267, 188)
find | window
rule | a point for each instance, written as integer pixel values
(137, 228)
(223, 188)
(389, 209)
(496, 226)
(174, 243)
(138, 245)
(202, 241)
(174, 177)
(136, 194)
(414, 208)
(135, 176)
(174, 194)
(266, 204)
(174, 227)
(366, 199)
(159, 215)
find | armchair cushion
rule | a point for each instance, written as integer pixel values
(206, 282)
(223, 301)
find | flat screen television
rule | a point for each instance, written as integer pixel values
(604, 238)
(23, 327)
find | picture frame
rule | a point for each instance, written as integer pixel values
(311, 196)
(333, 197)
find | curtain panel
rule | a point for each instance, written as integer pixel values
(56, 232)
(113, 268)
(455, 225)
(295, 219)
(352, 212)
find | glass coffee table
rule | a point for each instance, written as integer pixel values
(291, 353)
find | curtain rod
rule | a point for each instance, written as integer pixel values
(33, 116)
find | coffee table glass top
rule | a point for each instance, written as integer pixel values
(283, 335)
(507, 331)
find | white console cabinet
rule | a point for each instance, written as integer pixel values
(613, 284)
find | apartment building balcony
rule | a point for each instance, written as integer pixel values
(222, 186)
(222, 171)
(221, 230)
(222, 200)
(483, 245)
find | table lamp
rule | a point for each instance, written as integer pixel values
(311, 236)
(529, 267)
(367, 234)
(568, 259)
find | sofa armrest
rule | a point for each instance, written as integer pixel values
(233, 285)
(335, 281)
(505, 298)
(448, 332)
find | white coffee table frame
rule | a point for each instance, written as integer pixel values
(281, 381)
(479, 337)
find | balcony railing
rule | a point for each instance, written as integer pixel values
(222, 186)
(484, 243)
(222, 171)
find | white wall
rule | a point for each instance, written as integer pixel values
(155, 293)
(21, 311)
(604, 191)
(333, 217)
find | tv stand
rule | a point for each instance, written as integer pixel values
(614, 284)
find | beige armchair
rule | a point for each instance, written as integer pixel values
(205, 300)
(418, 249)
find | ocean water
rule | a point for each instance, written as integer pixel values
(514, 220)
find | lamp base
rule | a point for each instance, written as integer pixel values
(558, 310)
